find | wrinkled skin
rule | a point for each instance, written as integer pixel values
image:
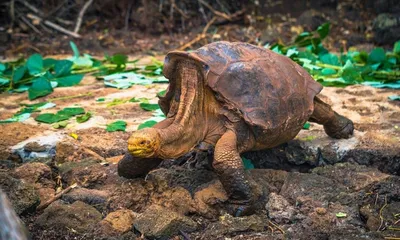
(196, 116)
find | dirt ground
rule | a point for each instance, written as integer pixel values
(315, 187)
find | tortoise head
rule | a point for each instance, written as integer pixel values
(144, 143)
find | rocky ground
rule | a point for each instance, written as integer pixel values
(316, 187)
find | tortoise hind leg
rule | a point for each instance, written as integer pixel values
(335, 125)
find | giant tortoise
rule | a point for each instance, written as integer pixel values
(236, 97)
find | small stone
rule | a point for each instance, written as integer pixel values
(89, 196)
(77, 216)
(208, 196)
(23, 196)
(320, 210)
(36, 173)
(120, 221)
(279, 209)
(34, 147)
(157, 222)
(86, 173)
(65, 151)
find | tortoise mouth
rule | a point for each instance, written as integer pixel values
(140, 152)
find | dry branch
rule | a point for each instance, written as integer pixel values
(54, 26)
(56, 197)
(80, 16)
(217, 13)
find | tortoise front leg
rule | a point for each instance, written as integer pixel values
(229, 167)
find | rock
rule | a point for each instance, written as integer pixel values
(131, 194)
(176, 199)
(23, 196)
(66, 151)
(117, 223)
(92, 197)
(373, 221)
(359, 236)
(350, 175)
(157, 222)
(87, 173)
(228, 225)
(208, 197)
(77, 216)
(386, 28)
(34, 147)
(279, 209)
(189, 179)
(272, 179)
(44, 143)
(36, 173)
(310, 185)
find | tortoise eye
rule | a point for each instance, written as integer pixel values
(206, 67)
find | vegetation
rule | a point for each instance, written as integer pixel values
(39, 76)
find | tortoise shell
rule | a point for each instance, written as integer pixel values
(273, 94)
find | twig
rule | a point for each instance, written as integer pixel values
(178, 9)
(128, 15)
(12, 13)
(218, 13)
(70, 97)
(54, 26)
(199, 36)
(32, 8)
(279, 228)
(56, 197)
(380, 215)
(80, 16)
(31, 25)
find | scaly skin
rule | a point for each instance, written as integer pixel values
(196, 116)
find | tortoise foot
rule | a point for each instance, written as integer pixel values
(342, 127)
(240, 209)
(133, 167)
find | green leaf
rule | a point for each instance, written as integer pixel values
(2, 67)
(323, 30)
(74, 49)
(377, 55)
(147, 124)
(149, 106)
(100, 100)
(161, 93)
(306, 126)
(71, 111)
(119, 59)
(49, 63)
(4, 81)
(396, 48)
(68, 81)
(143, 100)
(62, 68)
(302, 36)
(341, 215)
(330, 59)
(18, 74)
(394, 97)
(40, 87)
(84, 117)
(116, 126)
(61, 124)
(35, 64)
(328, 71)
(51, 118)
(247, 163)
(16, 118)
(350, 74)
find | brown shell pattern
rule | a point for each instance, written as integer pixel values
(273, 93)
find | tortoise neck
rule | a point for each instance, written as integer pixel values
(184, 133)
